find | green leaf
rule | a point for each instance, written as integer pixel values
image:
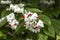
(56, 25)
(34, 10)
(1, 34)
(56, 12)
(3, 22)
(49, 31)
(52, 12)
(58, 37)
(20, 27)
(42, 36)
(5, 13)
(45, 19)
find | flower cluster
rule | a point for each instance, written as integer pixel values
(17, 8)
(12, 22)
(32, 22)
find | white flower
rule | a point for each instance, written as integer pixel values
(26, 19)
(31, 23)
(40, 23)
(12, 21)
(12, 6)
(34, 16)
(21, 10)
(24, 16)
(37, 30)
(29, 13)
(10, 17)
(17, 10)
(27, 25)
(13, 26)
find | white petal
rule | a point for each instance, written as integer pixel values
(10, 17)
(35, 15)
(38, 30)
(22, 5)
(32, 30)
(12, 6)
(14, 26)
(22, 10)
(40, 23)
(25, 15)
(30, 13)
(26, 19)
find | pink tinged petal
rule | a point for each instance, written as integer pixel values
(24, 23)
(37, 17)
(35, 27)
(24, 16)
(15, 24)
(29, 13)
(8, 24)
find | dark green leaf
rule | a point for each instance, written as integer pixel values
(34, 10)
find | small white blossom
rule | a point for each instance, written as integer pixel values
(12, 7)
(40, 23)
(10, 17)
(34, 16)
(16, 8)
(12, 21)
